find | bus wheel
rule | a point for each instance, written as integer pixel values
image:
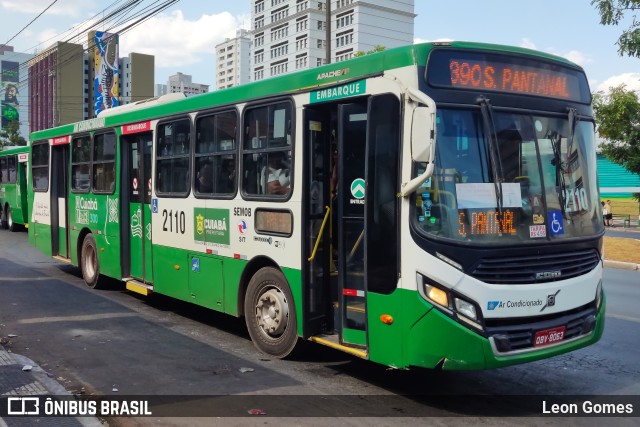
(270, 313)
(3, 217)
(12, 226)
(89, 261)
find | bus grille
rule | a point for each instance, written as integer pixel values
(536, 268)
(517, 334)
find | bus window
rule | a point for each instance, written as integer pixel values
(267, 150)
(80, 164)
(3, 170)
(216, 154)
(172, 168)
(12, 169)
(104, 163)
(40, 166)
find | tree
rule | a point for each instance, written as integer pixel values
(618, 120)
(611, 13)
(376, 48)
(10, 134)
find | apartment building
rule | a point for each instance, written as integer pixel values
(233, 60)
(290, 35)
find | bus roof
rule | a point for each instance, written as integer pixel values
(301, 81)
(14, 150)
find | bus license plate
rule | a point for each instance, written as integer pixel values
(549, 336)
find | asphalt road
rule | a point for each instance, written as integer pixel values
(633, 233)
(114, 340)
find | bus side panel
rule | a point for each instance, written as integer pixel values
(385, 341)
(109, 255)
(99, 215)
(171, 272)
(42, 237)
(40, 221)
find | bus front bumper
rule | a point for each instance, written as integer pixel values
(438, 341)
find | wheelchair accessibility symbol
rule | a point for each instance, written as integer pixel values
(555, 222)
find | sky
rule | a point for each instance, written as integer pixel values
(183, 37)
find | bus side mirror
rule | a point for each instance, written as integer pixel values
(423, 130)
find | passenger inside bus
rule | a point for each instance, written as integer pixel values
(278, 174)
(227, 176)
(205, 179)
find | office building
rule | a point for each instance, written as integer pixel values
(136, 83)
(56, 89)
(180, 82)
(14, 89)
(68, 83)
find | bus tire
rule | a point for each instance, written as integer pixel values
(12, 226)
(270, 313)
(89, 262)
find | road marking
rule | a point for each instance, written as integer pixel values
(81, 318)
(623, 317)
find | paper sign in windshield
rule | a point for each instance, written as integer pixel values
(483, 195)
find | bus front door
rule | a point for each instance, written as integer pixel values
(136, 202)
(59, 200)
(350, 200)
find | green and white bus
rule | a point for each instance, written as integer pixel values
(318, 206)
(14, 209)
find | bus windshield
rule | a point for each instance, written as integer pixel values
(523, 178)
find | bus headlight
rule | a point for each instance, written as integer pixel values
(599, 295)
(466, 309)
(434, 292)
(450, 302)
(437, 295)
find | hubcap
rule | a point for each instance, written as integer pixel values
(9, 219)
(272, 312)
(89, 260)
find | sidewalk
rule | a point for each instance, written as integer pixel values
(35, 382)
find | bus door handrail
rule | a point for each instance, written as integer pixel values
(324, 222)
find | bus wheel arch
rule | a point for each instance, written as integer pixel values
(249, 271)
(3, 216)
(88, 259)
(270, 312)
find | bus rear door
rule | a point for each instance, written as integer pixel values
(136, 203)
(60, 200)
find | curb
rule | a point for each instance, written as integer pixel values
(41, 384)
(622, 265)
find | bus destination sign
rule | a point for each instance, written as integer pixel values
(513, 74)
(509, 78)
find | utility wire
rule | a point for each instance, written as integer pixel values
(146, 14)
(26, 26)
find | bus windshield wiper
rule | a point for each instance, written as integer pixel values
(494, 156)
(573, 119)
(560, 170)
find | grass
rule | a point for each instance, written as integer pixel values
(625, 206)
(622, 249)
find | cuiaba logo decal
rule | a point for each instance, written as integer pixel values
(242, 226)
(211, 226)
(199, 224)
